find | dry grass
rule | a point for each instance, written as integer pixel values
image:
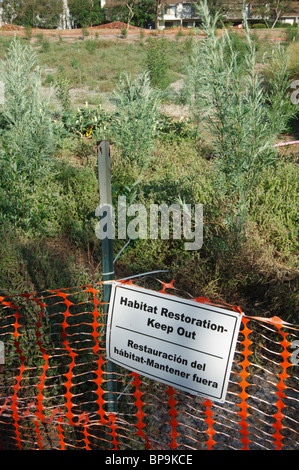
(294, 59)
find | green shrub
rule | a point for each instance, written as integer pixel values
(28, 138)
(72, 199)
(45, 45)
(28, 32)
(235, 45)
(49, 79)
(179, 35)
(85, 32)
(280, 24)
(62, 85)
(292, 34)
(91, 45)
(231, 104)
(124, 33)
(26, 111)
(280, 110)
(173, 130)
(89, 122)
(274, 207)
(135, 121)
(157, 63)
(14, 277)
(258, 26)
(76, 64)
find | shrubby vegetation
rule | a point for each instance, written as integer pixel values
(222, 156)
(157, 62)
(135, 122)
(28, 141)
(230, 102)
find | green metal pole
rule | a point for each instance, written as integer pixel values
(107, 257)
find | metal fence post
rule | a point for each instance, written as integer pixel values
(107, 257)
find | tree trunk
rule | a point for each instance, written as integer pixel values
(278, 9)
(157, 14)
(66, 19)
(130, 15)
(277, 17)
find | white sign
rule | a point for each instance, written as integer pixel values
(182, 343)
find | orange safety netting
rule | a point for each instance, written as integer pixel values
(54, 390)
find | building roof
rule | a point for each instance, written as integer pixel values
(235, 6)
(294, 9)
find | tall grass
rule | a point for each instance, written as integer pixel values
(240, 115)
(157, 62)
(56, 209)
(135, 121)
(28, 136)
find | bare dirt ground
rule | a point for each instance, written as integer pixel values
(112, 30)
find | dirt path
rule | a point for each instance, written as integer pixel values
(113, 30)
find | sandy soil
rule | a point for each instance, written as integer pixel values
(113, 30)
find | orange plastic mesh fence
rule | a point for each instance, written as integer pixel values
(53, 389)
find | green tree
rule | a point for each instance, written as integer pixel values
(122, 10)
(272, 10)
(34, 13)
(86, 12)
(217, 6)
(145, 13)
(115, 12)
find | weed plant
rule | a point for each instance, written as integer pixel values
(157, 63)
(62, 86)
(28, 137)
(57, 247)
(89, 122)
(240, 116)
(273, 206)
(292, 34)
(91, 45)
(135, 121)
(47, 204)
